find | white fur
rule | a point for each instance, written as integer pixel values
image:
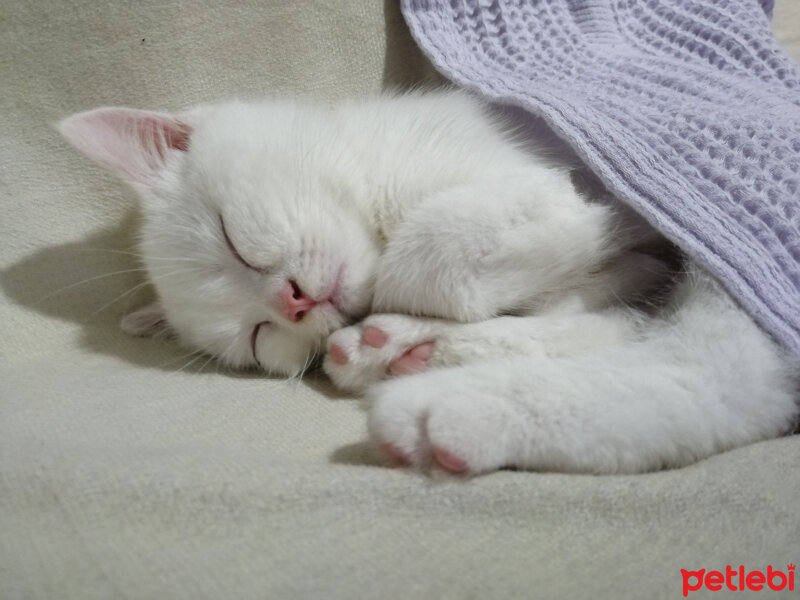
(699, 380)
(423, 205)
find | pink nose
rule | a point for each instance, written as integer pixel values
(295, 303)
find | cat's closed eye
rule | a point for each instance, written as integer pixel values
(254, 338)
(233, 249)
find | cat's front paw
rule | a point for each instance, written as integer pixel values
(380, 346)
(439, 421)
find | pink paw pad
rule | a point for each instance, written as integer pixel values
(338, 355)
(449, 461)
(413, 361)
(372, 336)
(395, 453)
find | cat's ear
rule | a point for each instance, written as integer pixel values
(145, 322)
(134, 144)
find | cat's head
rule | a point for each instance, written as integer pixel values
(251, 232)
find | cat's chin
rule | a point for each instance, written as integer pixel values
(327, 318)
(340, 312)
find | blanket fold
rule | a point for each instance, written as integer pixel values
(686, 109)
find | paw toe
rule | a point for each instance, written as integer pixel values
(338, 355)
(395, 453)
(372, 336)
(449, 461)
(413, 361)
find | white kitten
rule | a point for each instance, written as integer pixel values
(268, 226)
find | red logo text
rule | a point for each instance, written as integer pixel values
(738, 579)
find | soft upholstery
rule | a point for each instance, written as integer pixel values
(127, 471)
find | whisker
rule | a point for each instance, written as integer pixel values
(221, 361)
(114, 273)
(90, 279)
(200, 354)
(310, 357)
(307, 365)
(183, 356)
(140, 255)
(120, 297)
(140, 285)
(203, 366)
(217, 357)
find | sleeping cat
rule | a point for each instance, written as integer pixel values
(493, 314)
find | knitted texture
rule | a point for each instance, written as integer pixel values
(686, 109)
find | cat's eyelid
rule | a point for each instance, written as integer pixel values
(254, 341)
(233, 249)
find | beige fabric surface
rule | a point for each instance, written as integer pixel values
(126, 472)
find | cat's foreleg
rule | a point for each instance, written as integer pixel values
(473, 252)
(707, 381)
(392, 345)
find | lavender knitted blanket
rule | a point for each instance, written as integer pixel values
(686, 109)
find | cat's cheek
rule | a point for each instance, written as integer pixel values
(358, 292)
(279, 352)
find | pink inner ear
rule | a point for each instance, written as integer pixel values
(174, 134)
(134, 144)
(147, 321)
